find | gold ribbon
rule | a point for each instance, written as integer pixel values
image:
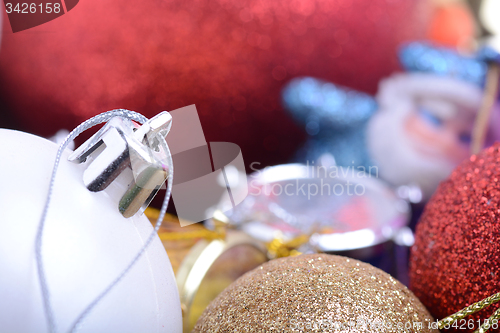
(153, 213)
(277, 248)
(204, 234)
(471, 309)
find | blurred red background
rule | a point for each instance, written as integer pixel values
(229, 57)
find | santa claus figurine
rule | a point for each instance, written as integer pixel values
(415, 130)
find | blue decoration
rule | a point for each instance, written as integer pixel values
(336, 117)
(333, 116)
(488, 54)
(423, 57)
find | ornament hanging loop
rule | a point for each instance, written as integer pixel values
(153, 136)
(122, 144)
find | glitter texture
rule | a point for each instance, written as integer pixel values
(300, 292)
(456, 257)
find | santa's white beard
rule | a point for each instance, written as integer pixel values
(397, 160)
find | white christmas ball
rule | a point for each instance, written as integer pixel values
(86, 244)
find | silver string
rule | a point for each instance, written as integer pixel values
(99, 119)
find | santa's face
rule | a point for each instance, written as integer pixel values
(440, 127)
(422, 128)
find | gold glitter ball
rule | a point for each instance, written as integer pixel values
(316, 292)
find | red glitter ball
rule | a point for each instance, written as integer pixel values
(456, 257)
(229, 57)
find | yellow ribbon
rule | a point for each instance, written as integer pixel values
(277, 248)
(153, 213)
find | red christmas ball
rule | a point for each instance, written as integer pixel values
(456, 257)
(229, 57)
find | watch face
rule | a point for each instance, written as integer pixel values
(343, 208)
